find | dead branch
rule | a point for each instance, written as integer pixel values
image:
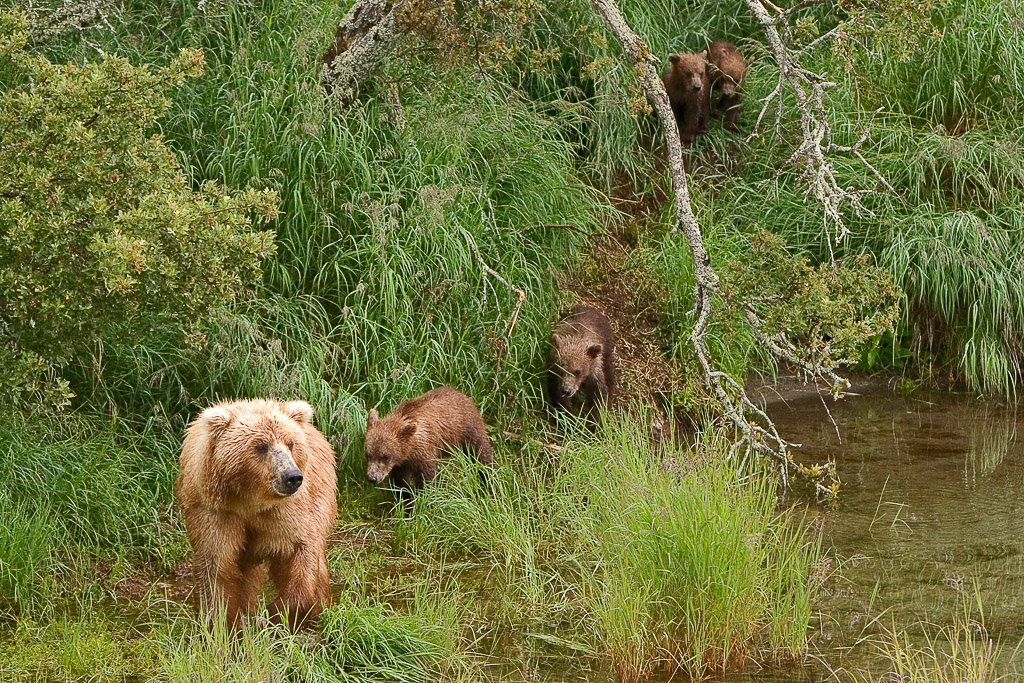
(521, 297)
(756, 430)
(365, 37)
(816, 132)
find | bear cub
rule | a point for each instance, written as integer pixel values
(581, 364)
(407, 444)
(727, 68)
(257, 486)
(688, 86)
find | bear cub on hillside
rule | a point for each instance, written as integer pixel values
(727, 69)
(257, 487)
(581, 364)
(688, 86)
(408, 443)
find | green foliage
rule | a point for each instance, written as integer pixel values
(71, 491)
(100, 233)
(831, 312)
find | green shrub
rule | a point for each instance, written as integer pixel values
(100, 232)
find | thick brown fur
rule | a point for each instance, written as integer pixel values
(408, 443)
(238, 462)
(581, 364)
(689, 86)
(727, 68)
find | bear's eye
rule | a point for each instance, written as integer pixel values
(290, 443)
(261, 447)
(576, 373)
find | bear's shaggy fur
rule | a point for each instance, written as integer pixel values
(689, 86)
(257, 486)
(581, 363)
(727, 68)
(408, 443)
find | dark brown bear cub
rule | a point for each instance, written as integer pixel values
(581, 364)
(688, 86)
(727, 69)
(408, 442)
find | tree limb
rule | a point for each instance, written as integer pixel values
(364, 38)
(759, 433)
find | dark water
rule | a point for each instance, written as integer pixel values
(929, 523)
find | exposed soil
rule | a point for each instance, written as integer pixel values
(631, 300)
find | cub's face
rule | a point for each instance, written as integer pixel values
(690, 69)
(387, 443)
(260, 447)
(575, 360)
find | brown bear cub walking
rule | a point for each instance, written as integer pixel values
(581, 364)
(408, 443)
(689, 86)
(727, 69)
(257, 486)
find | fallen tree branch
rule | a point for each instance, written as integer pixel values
(816, 143)
(756, 430)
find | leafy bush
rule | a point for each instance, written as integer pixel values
(100, 233)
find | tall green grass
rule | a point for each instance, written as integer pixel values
(665, 558)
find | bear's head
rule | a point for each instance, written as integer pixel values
(729, 69)
(258, 448)
(688, 69)
(575, 358)
(388, 443)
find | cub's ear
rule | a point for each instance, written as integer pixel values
(595, 350)
(673, 58)
(406, 432)
(215, 419)
(300, 411)
(703, 55)
(372, 418)
(556, 339)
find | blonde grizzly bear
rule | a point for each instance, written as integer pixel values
(257, 486)
(407, 444)
(727, 69)
(688, 87)
(581, 364)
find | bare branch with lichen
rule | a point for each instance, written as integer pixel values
(756, 430)
(365, 37)
(809, 90)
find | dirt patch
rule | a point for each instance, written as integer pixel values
(615, 283)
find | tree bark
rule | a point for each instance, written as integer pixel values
(365, 36)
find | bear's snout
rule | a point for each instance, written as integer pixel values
(696, 87)
(290, 482)
(373, 477)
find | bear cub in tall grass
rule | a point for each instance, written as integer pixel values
(257, 486)
(689, 86)
(407, 444)
(581, 365)
(727, 69)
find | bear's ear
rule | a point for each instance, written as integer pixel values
(674, 58)
(406, 432)
(595, 350)
(372, 418)
(557, 339)
(300, 411)
(703, 55)
(215, 419)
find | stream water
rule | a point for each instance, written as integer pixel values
(929, 522)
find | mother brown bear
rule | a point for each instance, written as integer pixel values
(257, 486)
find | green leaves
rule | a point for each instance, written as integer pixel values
(98, 225)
